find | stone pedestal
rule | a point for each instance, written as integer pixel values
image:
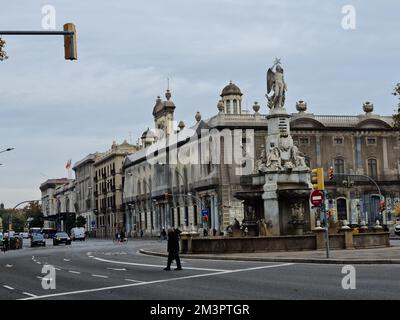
(186, 241)
(319, 238)
(348, 237)
(271, 204)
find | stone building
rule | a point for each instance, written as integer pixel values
(108, 179)
(84, 186)
(58, 202)
(163, 189)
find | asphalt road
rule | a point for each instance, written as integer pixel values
(99, 269)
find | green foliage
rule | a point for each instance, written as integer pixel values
(396, 117)
(80, 221)
(33, 211)
(70, 222)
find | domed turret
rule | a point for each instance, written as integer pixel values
(231, 99)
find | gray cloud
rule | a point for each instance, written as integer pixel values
(53, 110)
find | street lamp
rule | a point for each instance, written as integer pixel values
(8, 149)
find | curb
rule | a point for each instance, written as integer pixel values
(261, 259)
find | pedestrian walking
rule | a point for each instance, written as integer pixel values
(164, 234)
(173, 249)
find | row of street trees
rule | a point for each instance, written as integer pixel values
(22, 219)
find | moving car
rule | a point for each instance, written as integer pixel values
(61, 237)
(38, 240)
(78, 234)
(34, 231)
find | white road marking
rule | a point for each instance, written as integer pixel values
(38, 262)
(154, 265)
(91, 256)
(58, 269)
(39, 277)
(67, 259)
(131, 280)
(117, 269)
(29, 294)
(8, 265)
(8, 287)
(157, 281)
(76, 272)
(99, 275)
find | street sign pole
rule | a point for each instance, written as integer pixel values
(323, 207)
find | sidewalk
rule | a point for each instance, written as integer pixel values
(390, 255)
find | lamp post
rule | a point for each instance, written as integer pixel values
(6, 150)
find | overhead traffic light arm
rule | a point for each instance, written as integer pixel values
(69, 34)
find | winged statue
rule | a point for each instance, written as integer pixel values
(276, 83)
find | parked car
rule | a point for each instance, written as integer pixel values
(16, 241)
(61, 237)
(25, 235)
(397, 229)
(78, 234)
(38, 240)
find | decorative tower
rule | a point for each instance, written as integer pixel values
(163, 113)
(231, 99)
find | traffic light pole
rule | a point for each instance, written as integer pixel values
(69, 34)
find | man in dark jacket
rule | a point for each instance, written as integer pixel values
(173, 249)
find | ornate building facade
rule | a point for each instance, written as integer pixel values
(183, 174)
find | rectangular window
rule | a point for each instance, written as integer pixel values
(303, 140)
(371, 141)
(338, 140)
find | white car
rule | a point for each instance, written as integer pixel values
(397, 229)
(78, 234)
(24, 235)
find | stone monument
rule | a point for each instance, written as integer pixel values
(287, 177)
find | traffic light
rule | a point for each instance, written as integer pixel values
(71, 52)
(317, 179)
(383, 206)
(330, 173)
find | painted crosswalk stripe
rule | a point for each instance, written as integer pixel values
(98, 275)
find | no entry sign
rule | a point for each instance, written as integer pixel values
(316, 198)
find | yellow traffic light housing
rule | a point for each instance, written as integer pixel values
(317, 179)
(330, 173)
(71, 52)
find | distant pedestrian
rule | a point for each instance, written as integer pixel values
(164, 234)
(173, 249)
(5, 244)
(141, 233)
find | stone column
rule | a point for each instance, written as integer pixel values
(348, 237)
(216, 215)
(319, 238)
(271, 204)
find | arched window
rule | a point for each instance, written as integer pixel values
(235, 107)
(339, 166)
(228, 106)
(372, 168)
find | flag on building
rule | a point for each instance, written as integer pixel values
(68, 165)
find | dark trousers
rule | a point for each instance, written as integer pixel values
(173, 255)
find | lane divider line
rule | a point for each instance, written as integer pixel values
(131, 280)
(154, 265)
(99, 276)
(29, 294)
(8, 287)
(72, 271)
(156, 281)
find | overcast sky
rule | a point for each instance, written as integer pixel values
(52, 110)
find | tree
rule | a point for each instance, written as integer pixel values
(396, 117)
(16, 217)
(70, 222)
(33, 214)
(80, 221)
